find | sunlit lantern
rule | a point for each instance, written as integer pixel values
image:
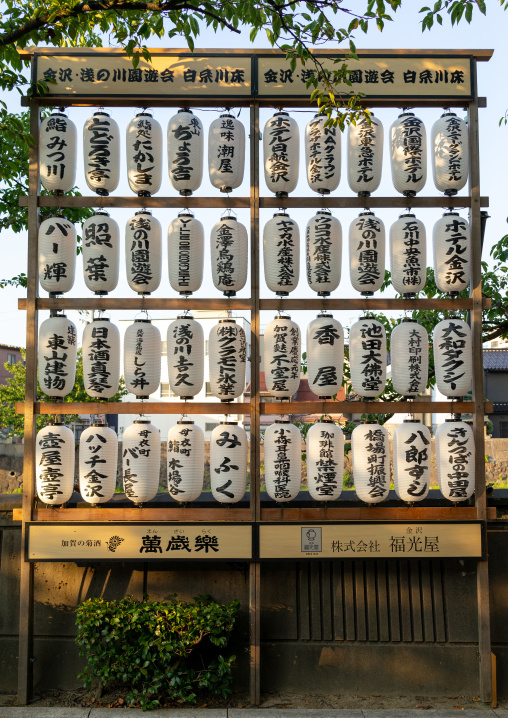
(228, 462)
(450, 153)
(227, 350)
(57, 255)
(365, 155)
(57, 356)
(367, 253)
(142, 358)
(101, 150)
(185, 461)
(186, 356)
(144, 155)
(370, 447)
(452, 253)
(185, 253)
(281, 254)
(322, 155)
(141, 461)
(57, 153)
(226, 153)
(408, 255)
(409, 352)
(453, 357)
(143, 252)
(325, 355)
(408, 154)
(185, 152)
(323, 246)
(411, 460)
(367, 357)
(54, 464)
(229, 246)
(325, 460)
(101, 252)
(98, 463)
(283, 461)
(281, 152)
(101, 358)
(282, 349)
(455, 459)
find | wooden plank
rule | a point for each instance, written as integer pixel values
(427, 602)
(315, 604)
(416, 601)
(374, 513)
(373, 303)
(255, 631)
(438, 601)
(371, 601)
(133, 407)
(405, 601)
(133, 303)
(349, 600)
(136, 514)
(493, 663)
(382, 598)
(338, 600)
(326, 601)
(367, 407)
(140, 202)
(393, 601)
(302, 588)
(361, 614)
(366, 202)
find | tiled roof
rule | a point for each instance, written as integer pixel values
(495, 359)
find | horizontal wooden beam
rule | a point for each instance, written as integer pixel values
(102, 513)
(136, 407)
(367, 202)
(369, 304)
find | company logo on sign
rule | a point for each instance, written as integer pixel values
(311, 539)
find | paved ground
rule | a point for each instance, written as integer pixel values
(35, 712)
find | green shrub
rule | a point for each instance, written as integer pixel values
(161, 649)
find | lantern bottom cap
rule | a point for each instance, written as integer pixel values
(225, 189)
(187, 398)
(57, 192)
(102, 192)
(409, 295)
(100, 293)
(409, 193)
(364, 193)
(185, 192)
(144, 294)
(323, 294)
(230, 293)
(409, 397)
(282, 294)
(52, 295)
(144, 193)
(322, 190)
(450, 192)
(226, 401)
(323, 398)
(367, 294)
(185, 293)
(455, 398)
(143, 397)
(281, 194)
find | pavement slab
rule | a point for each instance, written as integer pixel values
(295, 713)
(43, 712)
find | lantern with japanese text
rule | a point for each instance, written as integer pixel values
(54, 463)
(370, 447)
(57, 153)
(325, 355)
(450, 155)
(367, 253)
(322, 155)
(283, 461)
(57, 255)
(142, 358)
(185, 152)
(281, 153)
(365, 155)
(226, 153)
(227, 349)
(186, 356)
(455, 460)
(451, 240)
(101, 150)
(229, 247)
(143, 252)
(228, 462)
(367, 357)
(453, 357)
(409, 352)
(101, 358)
(323, 245)
(101, 252)
(411, 460)
(185, 461)
(281, 254)
(57, 356)
(325, 460)
(408, 255)
(141, 461)
(185, 253)
(408, 154)
(144, 155)
(98, 462)
(282, 348)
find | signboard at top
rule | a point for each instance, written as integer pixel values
(243, 76)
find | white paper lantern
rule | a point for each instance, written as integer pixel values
(325, 460)
(281, 254)
(282, 350)
(452, 253)
(325, 355)
(450, 155)
(141, 461)
(367, 357)
(323, 244)
(185, 152)
(185, 461)
(227, 350)
(226, 153)
(409, 352)
(98, 463)
(370, 447)
(228, 462)
(283, 461)
(365, 155)
(144, 155)
(367, 253)
(101, 150)
(453, 357)
(57, 255)
(142, 352)
(229, 248)
(57, 153)
(281, 153)
(57, 356)
(54, 464)
(185, 253)
(101, 358)
(408, 154)
(322, 155)
(186, 357)
(101, 252)
(408, 255)
(411, 460)
(143, 252)
(455, 460)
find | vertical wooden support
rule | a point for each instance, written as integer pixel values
(26, 598)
